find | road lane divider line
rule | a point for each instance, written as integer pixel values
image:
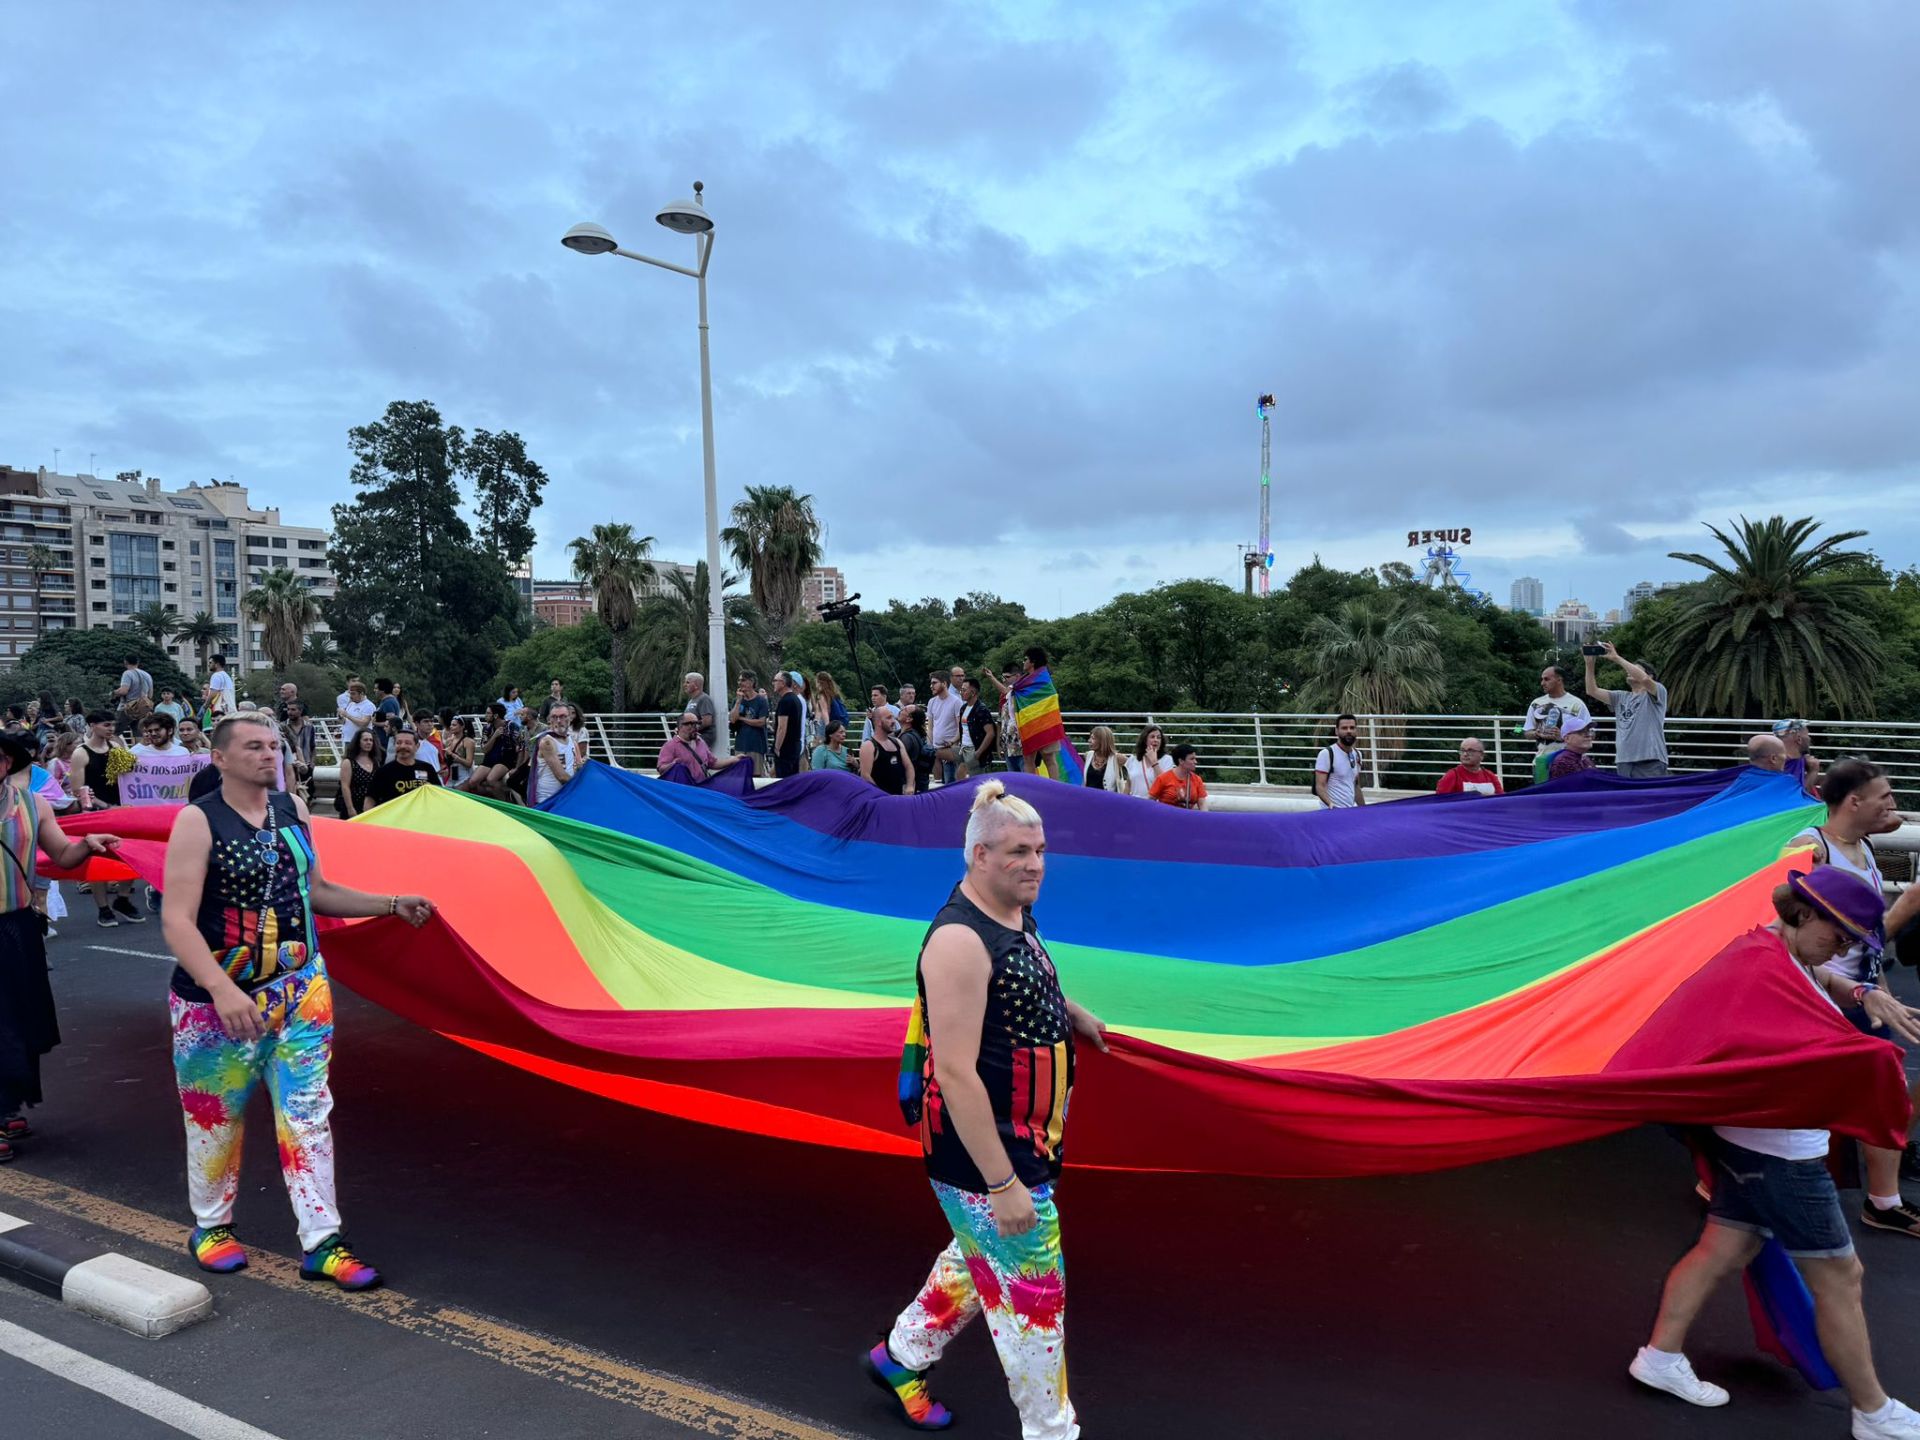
(699, 1409)
(189, 1417)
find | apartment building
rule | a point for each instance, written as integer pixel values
(824, 585)
(130, 544)
(36, 565)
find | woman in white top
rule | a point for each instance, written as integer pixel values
(1106, 767)
(555, 758)
(1148, 762)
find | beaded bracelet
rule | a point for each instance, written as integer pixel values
(393, 904)
(1005, 1185)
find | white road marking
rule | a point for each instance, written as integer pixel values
(11, 1222)
(121, 950)
(189, 1417)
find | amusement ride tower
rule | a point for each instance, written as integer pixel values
(1261, 558)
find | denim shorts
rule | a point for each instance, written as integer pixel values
(1793, 1201)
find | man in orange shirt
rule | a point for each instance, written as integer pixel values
(1182, 785)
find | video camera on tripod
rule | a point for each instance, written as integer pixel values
(846, 614)
(842, 612)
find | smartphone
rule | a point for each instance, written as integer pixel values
(1593, 649)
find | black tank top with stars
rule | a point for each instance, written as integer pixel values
(1026, 1057)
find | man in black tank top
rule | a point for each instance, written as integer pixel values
(987, 1073)
(250, 996)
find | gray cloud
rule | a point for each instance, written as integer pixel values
(1030, 274)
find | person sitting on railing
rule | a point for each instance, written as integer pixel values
(1181, 786)
(1470, 776)
(831, 752)
(498, 760)
(1576, 738)
(685, 747)
(1148, 762)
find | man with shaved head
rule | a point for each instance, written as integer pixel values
(1766, 752)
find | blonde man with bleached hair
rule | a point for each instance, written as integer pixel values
(987, 1074)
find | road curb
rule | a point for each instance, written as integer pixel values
(139, 1298)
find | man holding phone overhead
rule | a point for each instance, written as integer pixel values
(1640, 715)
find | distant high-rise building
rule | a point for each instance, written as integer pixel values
(1573, 623)
(119, 546)
(1643, 591)
(824, 585)
(1529, 596)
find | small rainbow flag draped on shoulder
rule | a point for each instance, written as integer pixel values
(1037, 711)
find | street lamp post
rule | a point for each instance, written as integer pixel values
(688, 217)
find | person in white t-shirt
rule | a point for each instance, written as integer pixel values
(1336, 769)
(157, 737)
(219, 691)
(1553, 709)
(1773, 1182)
(355, 711)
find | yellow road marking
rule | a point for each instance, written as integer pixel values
(708, 1412)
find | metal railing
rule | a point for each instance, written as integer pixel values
(1403, 752)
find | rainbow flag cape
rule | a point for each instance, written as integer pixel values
(1430, 983)
(1036, 709)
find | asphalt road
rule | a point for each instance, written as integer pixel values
(1504, 1300)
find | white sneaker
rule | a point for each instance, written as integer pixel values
(1676, 1377)
(1899, 1423)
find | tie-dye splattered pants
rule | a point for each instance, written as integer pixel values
(1020, 1281)
(217, 1076)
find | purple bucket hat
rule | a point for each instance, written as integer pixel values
(1847, 900)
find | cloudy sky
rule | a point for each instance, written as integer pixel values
(998, 285)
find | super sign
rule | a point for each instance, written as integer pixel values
(1416, 538)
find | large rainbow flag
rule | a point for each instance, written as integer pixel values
(1411, 986)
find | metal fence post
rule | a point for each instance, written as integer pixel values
(600, 724)
(1499, 751)
(1373, 748)
(1259, 750)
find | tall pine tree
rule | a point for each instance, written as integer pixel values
(414, 591)
(506, 491)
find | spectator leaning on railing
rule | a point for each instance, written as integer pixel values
(1640, 717)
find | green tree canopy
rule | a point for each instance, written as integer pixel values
(576, 655)
(507, 486)
(97, 658)
(1781, 624)
(415, 591)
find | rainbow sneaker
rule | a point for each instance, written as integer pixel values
(909, 1387)
(332, 1260)
(215, 1248)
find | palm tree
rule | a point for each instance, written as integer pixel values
(286, 610)
(155, 621)
(672, 631)
(1775, 628)
(203, 632)
(319, 649)
(613, 562)
(775, 538)
(1375, 656)
(41, 559)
